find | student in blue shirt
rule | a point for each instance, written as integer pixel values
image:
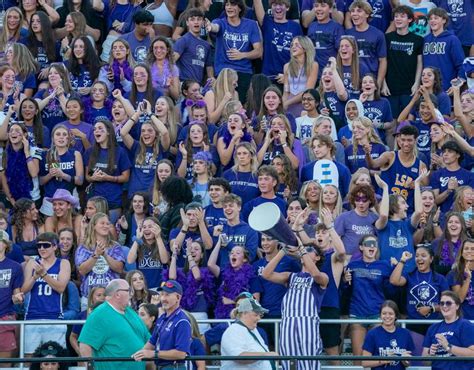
(239, 41)
(267, 184)
(171, 339)
(454, 336)
(388, 339)
(147, 151)
(277, 32)
(214, 213)
(442, 49)
(366, 279)
(447, 179)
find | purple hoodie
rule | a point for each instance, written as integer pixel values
(444, 52)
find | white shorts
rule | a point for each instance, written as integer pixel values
(35, 335)
(201, 316)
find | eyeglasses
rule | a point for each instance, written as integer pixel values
(308, 99)
(361, 199)
(43, 245)
(446, 303)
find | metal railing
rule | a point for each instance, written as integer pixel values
(275, 322)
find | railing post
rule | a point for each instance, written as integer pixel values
(277, 335)
(22, 343)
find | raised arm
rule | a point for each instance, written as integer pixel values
(269, 273)
(396, 277)
(384, 204)
(212, 262)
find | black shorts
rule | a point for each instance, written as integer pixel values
(330, 333)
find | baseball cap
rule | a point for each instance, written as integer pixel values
(4, 237)
(250, 305)
(171, 286)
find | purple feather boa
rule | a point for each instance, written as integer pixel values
(234, 282)
(191, 286)
(87, 102)
(127, 73)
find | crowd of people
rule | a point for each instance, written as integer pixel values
(138, 137)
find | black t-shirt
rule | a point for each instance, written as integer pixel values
(402, 53)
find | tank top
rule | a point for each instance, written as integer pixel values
(28, 247)
(45, 302)
(331, 297)
(398, 179)
(162, 15)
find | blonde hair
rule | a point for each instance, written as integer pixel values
(90, 239)
(5, 35)
(253, 157)
(224, 84)
(308, 47)
(337, 208)
(304, 188)
(355, 176)
(23, 61)
(171, 119)
(372, 136)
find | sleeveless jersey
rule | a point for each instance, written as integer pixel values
(398, 179)
(45, 302)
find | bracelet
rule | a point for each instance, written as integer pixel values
(29, 159)
(298, 231)
(193, 266)
(134, 121)
(183, 231)
(42, 276)
(284, 145)
(156, 353)
(401, 261)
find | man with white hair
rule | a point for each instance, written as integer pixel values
(114, 330)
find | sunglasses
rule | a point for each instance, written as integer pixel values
(446, 303)
(370, 243)
(43, 245)
(361, 199)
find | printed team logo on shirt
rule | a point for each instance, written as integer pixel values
(101, 266)
(423, 293)
(282, 40)
(5, 278)
(423, 140)
(456, 8)
(393, 350)
(141, 53)
(235, 40)
(444, 181)
(406, 47)
(398, 241)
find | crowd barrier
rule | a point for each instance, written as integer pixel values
(275, 322)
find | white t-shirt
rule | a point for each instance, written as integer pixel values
(237, 339)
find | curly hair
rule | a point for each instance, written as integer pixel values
(22, 206)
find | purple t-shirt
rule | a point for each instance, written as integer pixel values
(372, 46)
(439, 180)
(11, 278)
(325, 37)
(354, 162)
(351, 228)
(241, 38)
(195, 56)
(276, 49)
(101, 274)
(85, 128)
(139, 48)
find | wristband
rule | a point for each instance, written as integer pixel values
(156, 353)
(42, 276)
(29, 159)
(183, 231)
(402, 261)
(284, 145)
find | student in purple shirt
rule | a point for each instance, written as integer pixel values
(325, 33)
(11, 282)
(442, 49)
(239, 41)
(371, 41)
(191, 53)
(171, 339)
(140, 38)
(446, 180)
(278, 32)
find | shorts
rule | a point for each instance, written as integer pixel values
(330, 333)
(7, 334)
(35, 335)
(370, 317)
